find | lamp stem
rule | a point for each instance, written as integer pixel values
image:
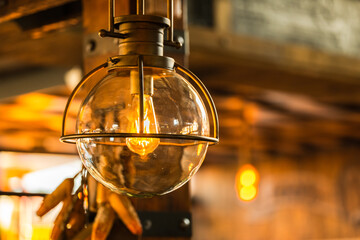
(140, 8)
(110, 32)
(170, 15)
(111, 15)
(170, 31)
(141, 94)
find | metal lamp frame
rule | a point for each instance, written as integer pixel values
(71, 138)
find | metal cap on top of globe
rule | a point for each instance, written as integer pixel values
(143, 129)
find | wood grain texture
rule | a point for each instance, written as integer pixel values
(39, 47)
(18, 8)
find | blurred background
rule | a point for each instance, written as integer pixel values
(285, 79)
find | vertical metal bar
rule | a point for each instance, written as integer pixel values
(141, 93)
(170, 15)
(140, 7)
(111, 15)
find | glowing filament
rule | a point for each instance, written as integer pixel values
(142, 146)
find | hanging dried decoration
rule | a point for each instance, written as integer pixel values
(71, 222)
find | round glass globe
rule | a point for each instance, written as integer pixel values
(142, 166)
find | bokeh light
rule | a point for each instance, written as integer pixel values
(246, 182)
(248, 193)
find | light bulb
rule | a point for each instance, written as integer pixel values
(142, 146)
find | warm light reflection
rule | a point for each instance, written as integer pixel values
(6, 210)
(29, 172)
(199, 149)
(18, 220)
(247, 193)
(21, 113)
(246, 182)
(41, 232)
(86, 197)
(35, 101)
(46, 180)
(247, 178)
(55, 123)
(191, 166)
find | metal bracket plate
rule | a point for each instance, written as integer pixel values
(96, 46)
(166, 224)
(155, 224)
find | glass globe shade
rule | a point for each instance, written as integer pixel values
(142, 166)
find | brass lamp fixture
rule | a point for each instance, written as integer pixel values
(142, 127)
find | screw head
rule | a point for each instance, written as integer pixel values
(147, 224)
(91, 45)
(185, 223)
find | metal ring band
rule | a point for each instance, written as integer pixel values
(212, 140)
(68, 138)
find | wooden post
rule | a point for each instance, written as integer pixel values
(95, 17)
(179, 200)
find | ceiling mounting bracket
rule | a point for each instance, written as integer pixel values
(166, 224)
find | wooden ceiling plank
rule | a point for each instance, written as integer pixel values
(296, 58)
(18, 8)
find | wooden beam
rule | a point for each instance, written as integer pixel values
(229, 74)
(95, 17)
(179, 200)
(18, 8)
(29, 81)
(293, 57)
(40, 47)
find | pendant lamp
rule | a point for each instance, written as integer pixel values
(144, 122)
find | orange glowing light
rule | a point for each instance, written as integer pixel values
(248, 193)
(143, 146)
(86, 199)
(41, 231)
(35, 101)
(246, 182)
(248, 178)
